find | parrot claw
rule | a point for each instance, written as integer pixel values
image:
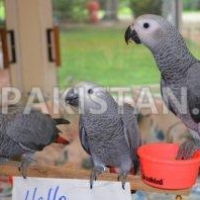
(91, 185)
(122, 178)
(187, 150)
(95, 173)
(26, 160)
(23, 169)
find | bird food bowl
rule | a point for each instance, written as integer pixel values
(160, 169)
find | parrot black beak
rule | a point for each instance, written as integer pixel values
(72, 98)
(131, 35)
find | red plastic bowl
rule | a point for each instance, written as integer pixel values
(160, 169)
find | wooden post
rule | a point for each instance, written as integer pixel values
(28, 22)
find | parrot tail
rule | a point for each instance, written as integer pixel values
(61, 140)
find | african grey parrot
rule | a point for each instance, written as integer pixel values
(110, 137)
(180, 73)
(23, 134)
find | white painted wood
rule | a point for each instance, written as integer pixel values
(30, 19)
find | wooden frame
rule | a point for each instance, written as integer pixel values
(3, 35)
(57, 45)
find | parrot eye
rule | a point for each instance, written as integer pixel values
(90, 91)
(146, 25)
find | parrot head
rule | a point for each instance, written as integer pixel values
(80, 93)
(150, 30)
(89, 96)
(72, 97)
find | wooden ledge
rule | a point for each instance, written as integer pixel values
(72, 172)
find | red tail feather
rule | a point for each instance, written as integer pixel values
(61, 140)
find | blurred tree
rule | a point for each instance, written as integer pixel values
(68, 10)
(76, 10)
(191, 5)
(103, 4)
(140, 7)
(172, 10)
(111, 10)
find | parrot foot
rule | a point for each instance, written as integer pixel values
(122, 177)
(95, 173)
(187, 150)
(26, 160)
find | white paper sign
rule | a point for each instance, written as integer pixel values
(67, 189)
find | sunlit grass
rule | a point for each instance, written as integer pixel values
(101, 55)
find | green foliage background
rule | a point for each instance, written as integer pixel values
(191, 5)
(146, 6)
(68, 10)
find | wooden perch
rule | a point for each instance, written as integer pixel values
(70, 171)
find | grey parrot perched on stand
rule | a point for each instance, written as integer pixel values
(110, 137)
(180, 72)
(23, 134)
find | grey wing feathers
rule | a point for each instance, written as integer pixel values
(83, 136)
(193, 91)
(131, 132)
(34, 130)
(170, 107)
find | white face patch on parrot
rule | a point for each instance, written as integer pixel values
(148, 30)
(91, 99)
